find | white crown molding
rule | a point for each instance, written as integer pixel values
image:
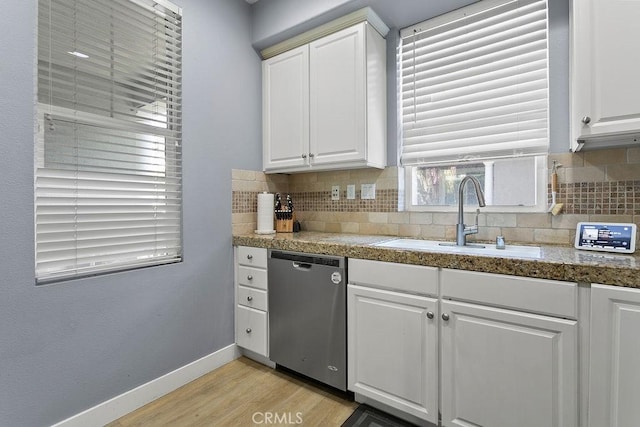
(365, 14)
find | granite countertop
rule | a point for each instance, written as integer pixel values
(555, 263)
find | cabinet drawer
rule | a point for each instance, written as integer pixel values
(401, 277)
(253, 277)
(253, 257)
(253, 298)
(251, 329)
(551, 297)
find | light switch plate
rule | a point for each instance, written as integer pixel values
(335, 192)
(351, 191)
(368, 191)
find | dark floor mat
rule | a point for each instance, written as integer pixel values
(366, 416)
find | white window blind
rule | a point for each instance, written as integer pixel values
(475, 84)
(108, 169)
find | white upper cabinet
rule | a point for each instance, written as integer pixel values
(605, 88)
(324, 103)
(338, 96)
(285, 109)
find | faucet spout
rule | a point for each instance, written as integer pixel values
(461, 229)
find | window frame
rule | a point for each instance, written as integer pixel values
(149, 231)
(541, 176)
(406, 169)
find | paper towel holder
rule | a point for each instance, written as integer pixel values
(268, 207)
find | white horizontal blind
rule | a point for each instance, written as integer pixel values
(108, 148)
(475, 84)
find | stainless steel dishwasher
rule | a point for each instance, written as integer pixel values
(307, 315)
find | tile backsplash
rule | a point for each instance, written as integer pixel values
(599, 185)
(604, 182)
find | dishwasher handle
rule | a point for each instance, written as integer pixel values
(301, 259)
(301, 265)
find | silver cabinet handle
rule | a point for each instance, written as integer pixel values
(311, 155)
(249, 298)
(248, 330)
(586, 120)
(430, 314)
(304, 156)
(249, 277)
(249, 256)
(445, 316)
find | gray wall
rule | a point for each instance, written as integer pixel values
(277, 20)
(69, 346)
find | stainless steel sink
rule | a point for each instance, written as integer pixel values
(512, 251)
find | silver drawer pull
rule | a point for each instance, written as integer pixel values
(430, 314)
(445, 316)
(249, 256)
(248, 330)
(249, 298)
(249, 277)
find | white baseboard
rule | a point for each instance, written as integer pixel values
(133, 399)
(257, 357)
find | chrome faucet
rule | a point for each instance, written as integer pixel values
(461, 229)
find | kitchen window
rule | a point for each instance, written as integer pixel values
(474, 101)
(108, 171)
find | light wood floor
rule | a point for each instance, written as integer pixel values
(243, 393)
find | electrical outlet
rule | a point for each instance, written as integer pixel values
(335, 192)
(351, 191)
(367, 191)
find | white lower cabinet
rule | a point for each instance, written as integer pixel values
(508, 357)
(251, 329)
(392, 334)
(393, 349)
(614, 384)
(503, 368)
(252, 322)
(459, 348)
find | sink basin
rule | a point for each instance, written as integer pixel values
(512, 251)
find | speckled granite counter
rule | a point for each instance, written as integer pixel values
(556, 263)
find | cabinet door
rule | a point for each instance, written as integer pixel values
(285, 109)
(614, 384)
(251, 330)
(393, 349)
(337, 97)
(503, 368)
(606, 54)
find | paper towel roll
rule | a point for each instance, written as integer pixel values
(265, 213)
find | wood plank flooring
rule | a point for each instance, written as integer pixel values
(244, 393)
